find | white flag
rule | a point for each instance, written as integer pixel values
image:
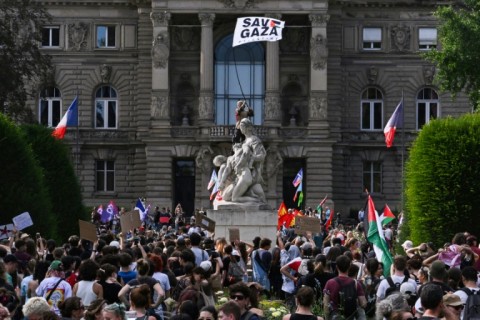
(252, 29)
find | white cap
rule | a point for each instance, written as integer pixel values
(115, 244)
(407, 245)
(407, 288)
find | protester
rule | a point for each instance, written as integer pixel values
(304, 299)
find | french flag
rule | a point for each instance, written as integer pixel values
(393, 123)
(70, 119)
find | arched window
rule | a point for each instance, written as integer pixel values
(372, 109)
(50, 107)
(428, 107)
(238, 69)
(106, 108)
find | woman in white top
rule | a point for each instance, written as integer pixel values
(87, 288)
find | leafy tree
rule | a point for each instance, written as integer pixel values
(442, 184)
(60, 179)
(22, 186)
(21, 61)
(458, 61)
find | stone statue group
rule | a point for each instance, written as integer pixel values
(240, 174)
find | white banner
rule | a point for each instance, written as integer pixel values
(252, 29)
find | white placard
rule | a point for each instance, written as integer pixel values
(22, 221)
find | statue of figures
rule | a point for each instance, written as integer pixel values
(240, 175)
(242, 111)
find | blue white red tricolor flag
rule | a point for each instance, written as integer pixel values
(70, 119)
(393, 123)
(298, 178)
(141, 209)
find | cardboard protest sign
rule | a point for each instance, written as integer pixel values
(205, 222)
(234, 234)
(6, 231)
(130, 220)
(303, 225)
(22, 221)
(88, 231)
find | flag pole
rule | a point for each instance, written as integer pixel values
(403, 155)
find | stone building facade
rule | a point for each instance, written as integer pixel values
(157, 82)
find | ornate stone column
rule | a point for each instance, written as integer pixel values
(160, 106)
(205, 103)
(272, 92)
(318, 70)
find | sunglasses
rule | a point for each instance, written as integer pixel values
(460, 307)
(412, 318)
(237, 297)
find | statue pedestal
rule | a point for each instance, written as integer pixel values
(251, 222)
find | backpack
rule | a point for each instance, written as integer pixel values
(235, 272)
(394, 287)
(472, 306)
(347, 299)
(371, 295)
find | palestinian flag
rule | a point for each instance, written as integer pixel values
(376, 238)
(387, 216)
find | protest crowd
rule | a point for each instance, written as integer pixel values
(171, 268)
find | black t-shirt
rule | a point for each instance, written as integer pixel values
(110, 292)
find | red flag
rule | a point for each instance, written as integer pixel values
(329, 221)
(282, 209)
(392, 124)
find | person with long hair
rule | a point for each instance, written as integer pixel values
(305, 298)
(140, 302)
(107, 275)
(143, 268)
(94, 311)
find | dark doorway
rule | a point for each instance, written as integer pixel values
(291, 166)
(184, 192)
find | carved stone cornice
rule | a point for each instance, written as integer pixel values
(273, 15)
(238, 4)
(160, 19)
(319, 19)
(206, 19)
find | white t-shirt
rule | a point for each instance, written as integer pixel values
(384, 285)
(62, 292)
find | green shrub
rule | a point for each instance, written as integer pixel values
(22, 186)
(442, 180)
(60, 179)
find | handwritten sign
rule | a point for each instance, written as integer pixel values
(205, 222)
(130, 220)
(88, 231)
(22, 221)
(303, 225)
(234, 234)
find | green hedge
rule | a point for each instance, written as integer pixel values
(22, 184)
(443, 180)
(61, 181)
